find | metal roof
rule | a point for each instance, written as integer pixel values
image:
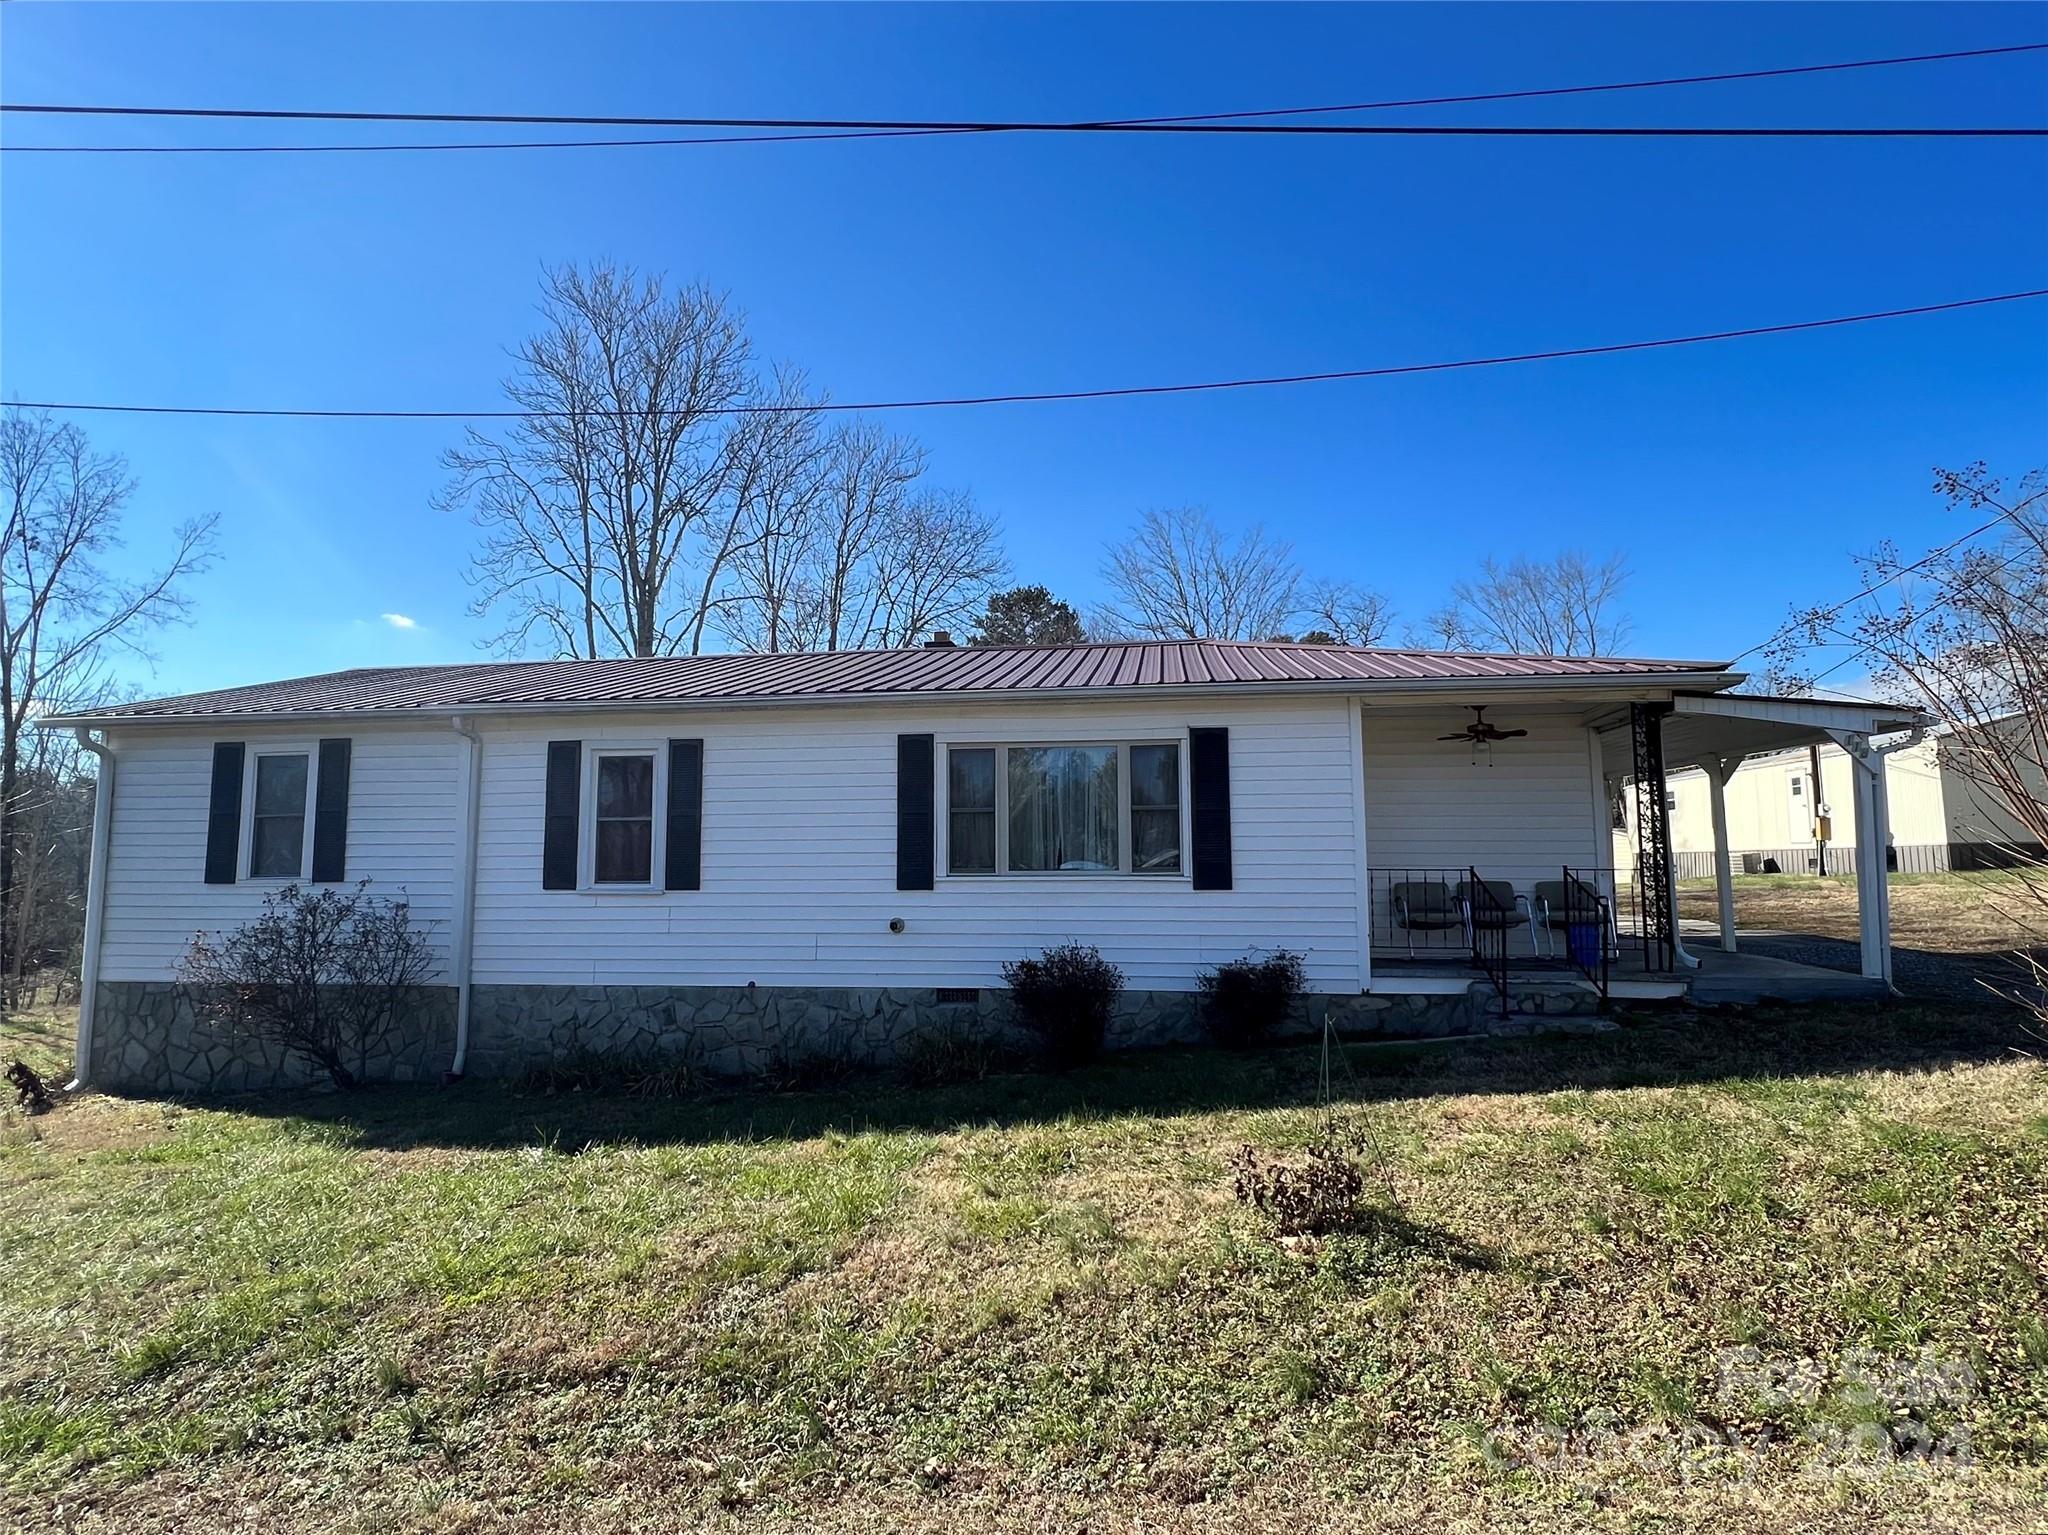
(846, 675)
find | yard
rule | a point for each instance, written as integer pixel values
(1951, 932)
(1032, 1302)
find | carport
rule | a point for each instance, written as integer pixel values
(1716, 732)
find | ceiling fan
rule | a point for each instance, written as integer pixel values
(1479, 733)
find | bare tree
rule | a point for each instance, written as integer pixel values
(760, 591)
(63, 613)
(1177, 577)
(1344, 613)
(868, 484)
(596, 503)
(939, 561)
(1963, 633)
(1565, 606)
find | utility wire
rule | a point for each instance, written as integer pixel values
(1048, 396)
(914, 127)
(1834, 609)
(862, 129)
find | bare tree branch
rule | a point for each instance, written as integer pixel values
(1177, 577)
(1565, 606)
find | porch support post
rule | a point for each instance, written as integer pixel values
(1873, 833)
(1719, 770)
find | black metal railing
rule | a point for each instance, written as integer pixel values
(1487, 920)
(1588, 929)
(1420, 912)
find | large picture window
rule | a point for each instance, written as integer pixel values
(1086, 808)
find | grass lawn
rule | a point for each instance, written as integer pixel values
(1031, 1303)
(1962, 914)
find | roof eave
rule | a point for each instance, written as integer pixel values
(1336, 687)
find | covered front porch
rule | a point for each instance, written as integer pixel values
(1553, 863)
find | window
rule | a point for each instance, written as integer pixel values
(1066, 809)
(971, 811)
(277, 815)
(1155, 809)
(623, 824)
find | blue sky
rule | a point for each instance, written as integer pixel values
(1737, 479)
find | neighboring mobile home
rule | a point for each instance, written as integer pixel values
(736, 855)
(1777, 807)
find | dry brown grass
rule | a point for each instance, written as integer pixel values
(1961, 914)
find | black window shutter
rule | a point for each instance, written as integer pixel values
(683, 864)
(915, 757)
(1209, 779)
(330, 813)
(558, 828)
(224, 813)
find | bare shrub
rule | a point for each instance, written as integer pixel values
(1066, 996)
(1322, 1193)
(1244, 1001)
(326, 974)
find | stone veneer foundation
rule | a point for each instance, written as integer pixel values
(147, 1040)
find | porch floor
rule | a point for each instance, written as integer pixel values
(1721, 978)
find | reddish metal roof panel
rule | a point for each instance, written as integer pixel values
(1022, 670)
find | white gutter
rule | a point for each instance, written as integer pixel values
(95, 905)
(465, 906)
(1420, 689)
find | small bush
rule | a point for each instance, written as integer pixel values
(946, 1053)
(1066, 997)
(1244, 1001)
(1314, 1197)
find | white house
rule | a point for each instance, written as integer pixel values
(738, 854)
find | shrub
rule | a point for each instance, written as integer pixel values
(1246, 1000)
(1313, 1197)
(325, 974)
(1065, 997)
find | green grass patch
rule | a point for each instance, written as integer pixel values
(430, 1302)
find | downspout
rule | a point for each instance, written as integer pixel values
(465, 907)
(95, 905)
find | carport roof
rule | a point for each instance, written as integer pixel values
(1732, 726)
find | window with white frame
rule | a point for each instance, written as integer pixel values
(280, 789)
(1085, 808)
(623, 791)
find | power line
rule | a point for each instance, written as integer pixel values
(1860, 651)
(1050, 396)
(2007, 514)
(1211, 121)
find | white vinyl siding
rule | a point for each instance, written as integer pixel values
(799, 857)
(404, 827)
(1429, 805)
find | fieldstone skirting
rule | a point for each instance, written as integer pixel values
(146, 1038)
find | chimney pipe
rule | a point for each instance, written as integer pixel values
(941, 640)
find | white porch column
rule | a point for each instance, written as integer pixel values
(1718, 771)
(1873, 892)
